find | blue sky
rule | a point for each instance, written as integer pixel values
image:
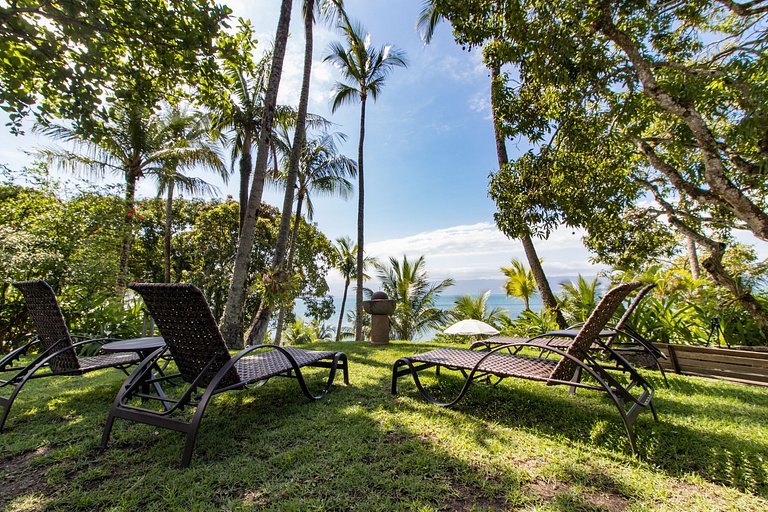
(428, 153)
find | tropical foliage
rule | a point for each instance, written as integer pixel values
(407, 283)
(520, 282)
(69, 235)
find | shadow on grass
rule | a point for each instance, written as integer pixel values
(515, 445)
(685, 440)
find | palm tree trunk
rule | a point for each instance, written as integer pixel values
(343, 305)
(167, 234)
(289, 265)
(232, 321)
(131, 177)
(259, 324)
(360, 224)
(245, 176)
(547, 297)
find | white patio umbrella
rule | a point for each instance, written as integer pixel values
(470, 328)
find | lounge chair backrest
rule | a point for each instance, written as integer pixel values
(184, 319)
(49, 322)
(591, 329)
(633, 305)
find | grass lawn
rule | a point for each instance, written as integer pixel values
(520, 445)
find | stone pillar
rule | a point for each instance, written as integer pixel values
(379, 307)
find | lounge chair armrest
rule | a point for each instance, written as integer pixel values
(647, 345)
(14, 355)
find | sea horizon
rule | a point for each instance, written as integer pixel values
(512, 305)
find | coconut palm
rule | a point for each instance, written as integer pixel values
(407, 283)
(520, 282)
(475, 307)
(365, 70)
(232, 321)
(346, 263)
(322, 171)
(131, 143)
(579, 299)
(189, 136)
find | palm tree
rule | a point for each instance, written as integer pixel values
(189, 136)
(322, 171)
(232, 321)
(520, 282)
(476, 308)
(429, 17)
(408, 285)
(365, 69)
(346, 263)
(130, 143)
(241, 117)
(579, 299)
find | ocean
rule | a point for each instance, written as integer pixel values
(513, 306)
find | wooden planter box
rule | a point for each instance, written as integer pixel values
(737, 365)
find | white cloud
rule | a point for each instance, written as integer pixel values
(477, 251)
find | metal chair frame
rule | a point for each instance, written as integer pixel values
(48, 357)
(578, 357)
(202, 388)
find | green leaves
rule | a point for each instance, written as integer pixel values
(59, 58)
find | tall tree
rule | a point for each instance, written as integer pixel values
(240, 117)
(429, 17)
(365, 70)
(322, 171)
(279, 273)
(61, 59)
(624, 101)
(189, 138)
(232, 321)
(130, 143)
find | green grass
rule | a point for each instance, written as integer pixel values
(520, 445)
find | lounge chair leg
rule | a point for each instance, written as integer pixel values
(107, 431)
(9, 401)
(653, 411)
(576, 378)
(189, 446)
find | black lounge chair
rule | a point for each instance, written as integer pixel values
(565, 368)
(57, 355)
(620, 336)
(204, 364)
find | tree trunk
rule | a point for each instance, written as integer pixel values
(232, 321)
(245, 176)
(278, 264)
(343, 305)
(131, 177)
(547, 297)
(289, 265)
(167, 234)
(714, 265)
(693, 258)
(360, 224)
(726, 192)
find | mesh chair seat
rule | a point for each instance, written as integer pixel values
(273, 363)
(204, 364)
(503, 365)
(58, 355)
(107, 361)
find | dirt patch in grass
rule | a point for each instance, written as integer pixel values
(21, 477)
(608, 500)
